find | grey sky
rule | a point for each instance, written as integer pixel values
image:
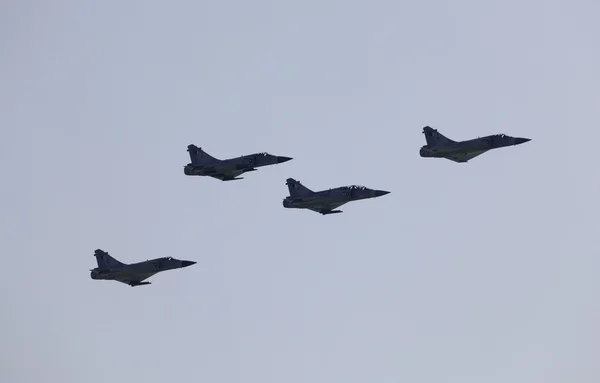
(478, 272)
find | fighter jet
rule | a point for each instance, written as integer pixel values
(326, 201)
(133, 274)
(439, 146)
(204, 164)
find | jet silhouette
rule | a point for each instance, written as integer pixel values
(326, 201)
(204, 164)
(133, 274)
(439, 146)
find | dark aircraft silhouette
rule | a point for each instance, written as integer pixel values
(204, 164)
(326, 201)
(133, 274)
(439, 146)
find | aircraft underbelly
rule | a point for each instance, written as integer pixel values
(137, 276)
(443, 152)
(464, 156)
(457, 150)
(122, 275)
(461, 151)
(217, 169)
(324, 202)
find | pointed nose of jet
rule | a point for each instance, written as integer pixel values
(519, 140)
(281, 159)
(379, 193)
(187, 263)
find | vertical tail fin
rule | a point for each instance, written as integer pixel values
(435, 138)
(297, 189)
(105, 261)
(199, 156)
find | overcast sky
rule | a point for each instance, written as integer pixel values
(466, 273)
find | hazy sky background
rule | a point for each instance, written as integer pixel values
(477, 272)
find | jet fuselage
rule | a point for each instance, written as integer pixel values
(335, 196)
(227, 169)
(141, 268)
(477, 145)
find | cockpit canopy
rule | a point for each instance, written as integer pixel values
(167, 258)
(502, 135)
(356, 187)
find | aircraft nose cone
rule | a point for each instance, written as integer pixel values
(519, 140)
(379, 193)
(281, 159)
(187, 263)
